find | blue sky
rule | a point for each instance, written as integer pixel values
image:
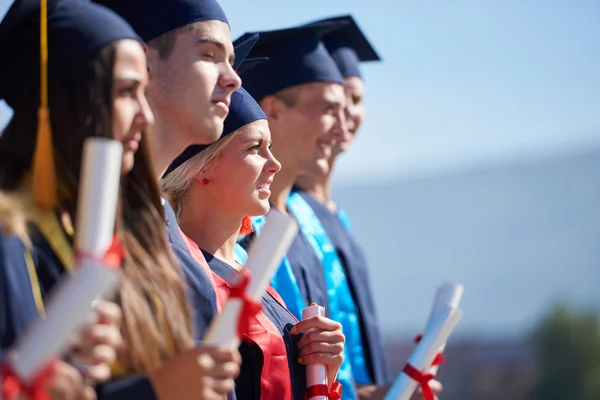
(462, 82)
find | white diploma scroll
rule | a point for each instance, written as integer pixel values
(316, 374)
(69, 304)
(442, 322)
(451, 294)
(264, 257)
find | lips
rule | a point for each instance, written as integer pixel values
(225, 101)
(265, 185)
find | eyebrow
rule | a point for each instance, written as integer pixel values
(216, 42)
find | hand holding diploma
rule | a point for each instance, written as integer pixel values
(98, 257)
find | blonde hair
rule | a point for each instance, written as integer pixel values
(12, 217)
(177, 183)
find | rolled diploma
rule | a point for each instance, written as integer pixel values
(449, 293)
(68, 307)
(264, 256)
(316, 374)
(443, 322)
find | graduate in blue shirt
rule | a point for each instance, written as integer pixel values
(349, 47)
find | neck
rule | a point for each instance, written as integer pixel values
(211, 229)
(282, 186)
(166, 145)
(319, 185)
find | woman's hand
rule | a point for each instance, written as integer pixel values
(323, 343)
(94, 349)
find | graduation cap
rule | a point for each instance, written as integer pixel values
(153, 18)
(296, 56)
(243, 110)
(38, 38)
(348, 45)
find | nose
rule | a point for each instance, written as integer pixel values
(145, 116)
(273, 166)
(229, 79)
(350, 113)
(340, 129)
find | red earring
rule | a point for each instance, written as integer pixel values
(205, 181)
(246, 227)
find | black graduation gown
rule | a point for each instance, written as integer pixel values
(355, 266)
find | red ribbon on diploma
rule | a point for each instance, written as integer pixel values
(439, 358)
(322, 390)
(423, 380)
(250, 307)
(112, 258)
(13, 386)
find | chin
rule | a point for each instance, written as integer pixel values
(261, 207)
(210, 132)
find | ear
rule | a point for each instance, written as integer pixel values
(273, 108)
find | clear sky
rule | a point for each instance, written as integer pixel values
(462, 82)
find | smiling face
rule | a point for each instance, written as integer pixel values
(355, 112)
(240, 179)
(132, 114)
(307, 129)
(191, 84)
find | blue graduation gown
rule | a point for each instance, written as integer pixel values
(201, 292)
(355, 266)
(50, 269)
(20, 296)
(248, 384)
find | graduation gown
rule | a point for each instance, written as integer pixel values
(54, 259)
(269, 368)
(20, 295)
(198, 277)
(307, 271)
(355, 266)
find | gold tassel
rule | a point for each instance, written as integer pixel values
(44, 172)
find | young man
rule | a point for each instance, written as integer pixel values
(191, 79)
(348, 46)
(301, 91)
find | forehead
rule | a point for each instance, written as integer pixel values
(354, 85)
(321, 92)
(213, 30)
(258, 129)
(130, 54)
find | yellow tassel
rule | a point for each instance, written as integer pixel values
(44, 174)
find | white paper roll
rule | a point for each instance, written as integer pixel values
(98, 194)
(66, 313)
(442, 323)
(69, 304)
(264, 256)
(451, 294)
(316, 374)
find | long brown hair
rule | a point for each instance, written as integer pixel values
(156, 315)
